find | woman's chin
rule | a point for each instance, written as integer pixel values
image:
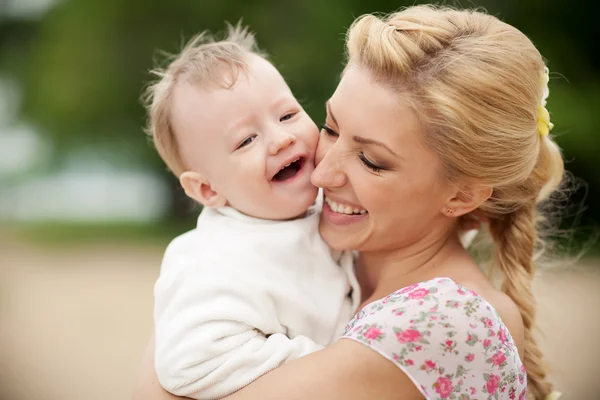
(340, 231)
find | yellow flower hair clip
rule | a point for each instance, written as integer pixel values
(553, 396)
(543, 122)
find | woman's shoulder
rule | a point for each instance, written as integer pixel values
(446, 338)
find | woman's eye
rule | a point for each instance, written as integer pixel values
(369, 164)
(287, 117)
(329, 132)
(246, 141)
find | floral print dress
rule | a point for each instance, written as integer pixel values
(446, 338)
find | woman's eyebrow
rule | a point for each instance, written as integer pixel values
(328, 106)
(362, 140)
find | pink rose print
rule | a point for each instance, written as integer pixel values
(502, 336)
(429, 364)
(408, 336)
(498, 358)
(419, 293)
(408, 288)
(492, 384)
(460, 356)
(443, 387)
(372, 333)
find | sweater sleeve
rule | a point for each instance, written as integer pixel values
(216, 330)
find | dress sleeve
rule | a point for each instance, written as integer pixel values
(447, 339)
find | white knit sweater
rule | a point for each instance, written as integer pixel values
(239, 296)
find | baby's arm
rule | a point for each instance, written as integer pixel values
(217, 331)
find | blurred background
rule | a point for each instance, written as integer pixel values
(87, 207)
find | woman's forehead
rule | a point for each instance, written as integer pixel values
(362, 104)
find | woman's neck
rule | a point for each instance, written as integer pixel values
(382, 272)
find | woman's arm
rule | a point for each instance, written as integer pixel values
(345, 370)
(147, 386)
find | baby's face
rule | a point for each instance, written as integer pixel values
(253, 142)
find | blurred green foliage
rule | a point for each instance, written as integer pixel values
(83, 64)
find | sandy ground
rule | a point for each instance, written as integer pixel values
(74, 322)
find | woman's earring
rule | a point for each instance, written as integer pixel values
(449, 212)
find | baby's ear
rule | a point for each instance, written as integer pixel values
(199, 188)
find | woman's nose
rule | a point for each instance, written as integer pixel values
(280, 142)
(328, 173)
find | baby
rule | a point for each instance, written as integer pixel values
(254, 285)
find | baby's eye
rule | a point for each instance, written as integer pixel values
(246, 141)
(287, 117)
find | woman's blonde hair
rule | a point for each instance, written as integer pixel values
(475, 83)
(203, 62)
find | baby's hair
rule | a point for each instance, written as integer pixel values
(475, 83)
(204, 62)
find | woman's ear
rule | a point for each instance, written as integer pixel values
(466, 199)
(197, 187)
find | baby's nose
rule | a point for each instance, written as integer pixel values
(281, 142)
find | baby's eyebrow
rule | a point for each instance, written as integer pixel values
(238, 124)
(285, 98)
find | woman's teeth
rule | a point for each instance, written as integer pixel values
(343, 208)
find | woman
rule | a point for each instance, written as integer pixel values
(439, 113)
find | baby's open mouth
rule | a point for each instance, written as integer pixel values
(289, 171)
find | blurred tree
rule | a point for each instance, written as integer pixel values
(82, 66)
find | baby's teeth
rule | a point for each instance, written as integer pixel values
(363, 211)
(348, 210)
(356, 211)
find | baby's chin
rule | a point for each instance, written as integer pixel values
(295, 207)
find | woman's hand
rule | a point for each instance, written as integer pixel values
(147, 386)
